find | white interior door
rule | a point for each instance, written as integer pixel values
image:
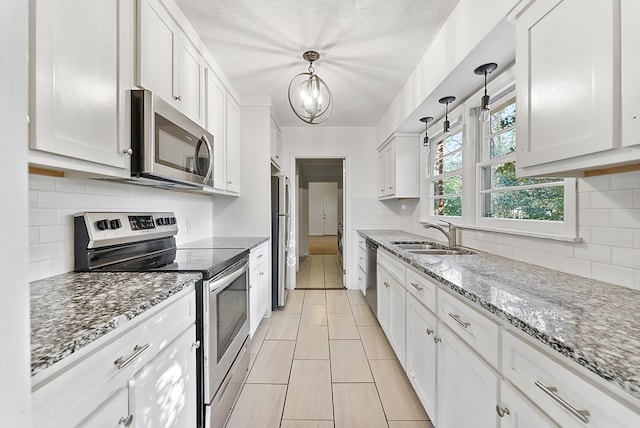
(329, 214)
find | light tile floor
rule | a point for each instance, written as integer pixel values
(325, 362)
(319, 271)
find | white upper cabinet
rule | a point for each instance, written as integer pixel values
(168, 63)
(81, 69)
(233, 145)
(216, 113)
(399, 167)
(571, 105)
(276, 145)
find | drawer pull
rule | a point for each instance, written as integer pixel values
(502, 410)
(123, 362)
(429, 332)
(437, 339)
(259, 256)
(552, 392)
(386, 284)
(456, 317)
(416, 286)
(126, 421)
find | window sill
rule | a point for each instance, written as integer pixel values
(520, 233)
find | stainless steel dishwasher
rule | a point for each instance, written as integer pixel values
(371, 294)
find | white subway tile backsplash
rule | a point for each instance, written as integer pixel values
(55, 200)
(629, 218)
(545, 260)
(584, 200)
(636, 238)
(33, 198)
(594, 184)
(71, 185)
(612, 199)
(636, 199)
(612, 236)
(52, 233)
(40, 252)
(627, 180)
(593, 252)
(636, 281)
(86, 202)
(627, 257)
(34, 235)
(40, 182)
(42, 217)
(613, 274)
(594, 217)
(584, 232)
(574, 266)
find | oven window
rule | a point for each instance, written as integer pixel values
(231, 309)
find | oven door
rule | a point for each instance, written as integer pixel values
(226, 323)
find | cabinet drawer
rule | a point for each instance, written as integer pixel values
(69, 395)
(561, 392)
(474, 328)
(395, 267)
(423, 288)
(259, 254)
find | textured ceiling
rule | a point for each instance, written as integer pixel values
(367, 48)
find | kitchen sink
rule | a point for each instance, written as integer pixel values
(418, 246)
(439, 252)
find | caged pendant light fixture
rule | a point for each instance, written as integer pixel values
(446, 101)
(426, 121)
(485, 101)
(309, 96)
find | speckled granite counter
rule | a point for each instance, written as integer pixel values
(71, 310)
(226, 242)
(594, 323)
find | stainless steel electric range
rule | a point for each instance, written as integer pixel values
(141, 242)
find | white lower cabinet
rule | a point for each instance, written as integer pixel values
(142, 374)
(516, 411)
(163, 393)
(467, 386)
(383, 289)
(391, 310)
(421, 353)
(259, 286)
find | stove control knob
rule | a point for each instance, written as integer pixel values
(167, 221)
(160, 221)
(115, 223)
(172, 220)
(102, 224)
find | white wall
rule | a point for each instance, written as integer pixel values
(53, 201)
(316, 208)
(15, 392)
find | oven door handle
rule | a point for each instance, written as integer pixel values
(229, 276)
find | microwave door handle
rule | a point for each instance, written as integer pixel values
(195, 157)
(210, 148)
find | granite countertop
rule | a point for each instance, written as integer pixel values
(596, 324)
(71, 310)
(249, 242)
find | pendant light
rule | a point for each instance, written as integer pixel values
(446, 101)
(309, 96)
(426, 121)
(485, 102)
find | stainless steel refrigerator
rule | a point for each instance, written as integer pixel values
(280, 232)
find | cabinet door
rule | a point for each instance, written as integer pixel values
(397, 326)
(566, 102)
(390, 171)
(254, 298)
(157, 50)
(81, 70)
(191, 76)
(383, 288)
(381, 175)
(163, 393)
(421, 353)
(265, 290)
(467, 386)
(630, 67)
(216, 107)
(233, 145)
(113, 413)
(518, 412)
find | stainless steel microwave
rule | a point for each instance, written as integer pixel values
(169, 150)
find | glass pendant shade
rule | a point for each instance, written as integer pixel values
(309, 96)
(485, 103)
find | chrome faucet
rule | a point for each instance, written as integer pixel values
(451, 234)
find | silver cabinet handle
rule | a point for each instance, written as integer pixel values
(229, 182)
(259, 256)
(128, 151)
(196, 344)
(552, 392)
(178, 98)
(386, 284)
(502, 410)
(429, 332)
(459, 321)
(437, 339)
(126, 421)
(123, 362)
(416, 286)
